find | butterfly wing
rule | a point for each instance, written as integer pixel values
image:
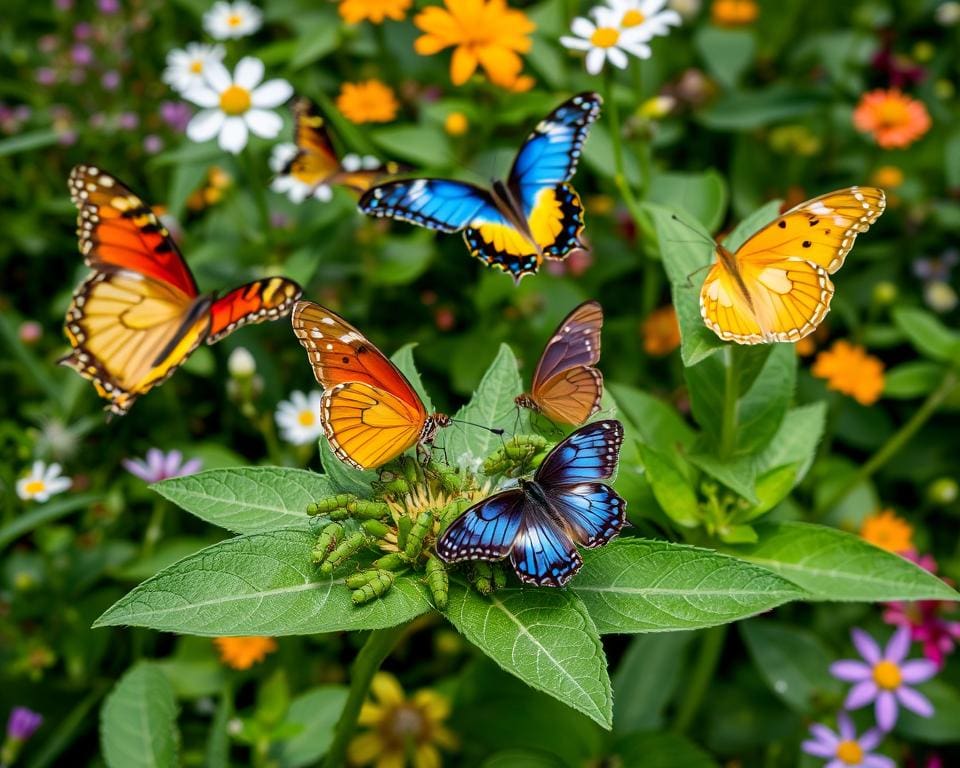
(117, 229)
(587, 455)
(485, 531)
(438, 204)
(593, 512)
(543, 553)
(566, 386)
(255, 302)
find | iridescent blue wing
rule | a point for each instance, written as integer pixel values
(486, 531)
(593, 512)
(589, 454)
(439, 204)
(543, 553)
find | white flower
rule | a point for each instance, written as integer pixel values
(226, 20)
(233, 107)
(186, 68)
(241, 364)
(299, 418)
(352, 163)
(605, 40)
(644, 19)
(289, 185)
(42, 482)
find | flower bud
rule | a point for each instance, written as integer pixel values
(241, 363)
(943, 491)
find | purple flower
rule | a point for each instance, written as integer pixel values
(63, 5)
(110, 80)
(176, 114)
(844, 749)
(128, 120)
(83, 31)
(23, 723)
(152, 144)
(108, 7)
(161, 466)
(882, 677)
(45, 76)
(82, 55)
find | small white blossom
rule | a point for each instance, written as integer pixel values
(299, 418)
(42, 482)
(186, 67)
(644, 19)
(604, 40)
(241, 364)
(228, 20)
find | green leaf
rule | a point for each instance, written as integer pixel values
(647, 678)
(739, 476)
(793, 662)
(25, 142)
(248, 499)
(403, 359)
(316, 713)
(941, 728)
(633, 585)
(315, 41)
(492, 406)
(401, 260)
(523, 758)
(259, 584)
(702, 195)
(837, 566)
(752, 224)
(772, 487)
(916, 378)
(545, 637)
(138, 722)
(42, 514)
(672, 489)
(726, 52)
(761, 409)
(927, 334)
(661, 750)
(658, 422)
(343, 477)
(740, 110)
(796, 441)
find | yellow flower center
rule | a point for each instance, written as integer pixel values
(235, 100)
(886, 674)
(305, 418)
(632, 18)
(850, 752)
(893, 112)
(234, 20)
(34, 487)
(605, 37)
(196, 66)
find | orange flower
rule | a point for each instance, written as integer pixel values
(456, 124)
(849, 369)
(661, 331)
(367, 102)
(887, 177)
(244, 652)
(374, 11)
(887, 531)
(488, 34)
(734, 13)
(893, 118)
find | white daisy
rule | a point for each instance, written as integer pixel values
(289, 185)
(235, 106)
(644, 19)
(42, 482)
(226, 20)
(299, 418)
(604, 40)
(186, 67)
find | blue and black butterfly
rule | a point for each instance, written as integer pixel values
(512, 226)
(539, 524)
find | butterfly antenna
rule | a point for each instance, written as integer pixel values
(494, 430)
(689, 283)
(702, 238)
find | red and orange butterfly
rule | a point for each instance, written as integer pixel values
(777, 287)
(566, 386)
(369, 411)
(139, 316)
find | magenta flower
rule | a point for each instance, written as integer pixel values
(108, 7)
(23, 723)
(844, 749)
(82, 55)
(176, 114)
(45, 76)
(883, 677)
(83, 31)
(110, 80)
(161, 466)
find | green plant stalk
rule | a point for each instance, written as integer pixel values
(709, 655)
(728, 424)
(896, 441)
(377, 647)
(258, 189)
(620, 176)
(154, 528)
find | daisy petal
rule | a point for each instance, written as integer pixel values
(850, 671)
(248, 73)
(915, 701)
(233, 136)
(917, 670)
(575, 43)
(271, 94)
(861, 694)
(217, 76)
(263, 123)
(583, 27)
(866, 646)
(595, 59)
(886, 710)
(205, 125)
(818, 749)
(202, 96)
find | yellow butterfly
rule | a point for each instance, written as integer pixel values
(777, 287)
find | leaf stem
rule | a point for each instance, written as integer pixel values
(893, 445)
(377, 647)
(728, 424)
(154, 528)
(620, 176)
(710, 648)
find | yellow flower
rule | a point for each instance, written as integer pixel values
(488, 34)
(244, 652)
(887, 531)
(887, 177)
(368, 102)
(661, 332)
(456, 124)
(374, 11)
(734, 13)
(401, 727)
(849, 369)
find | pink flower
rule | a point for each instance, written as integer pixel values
(883, 677)
(83, 31)
(176, 114)
(110, 80)
(81, 55)
(45, 76)
(108, 7)
(844, 749)
(161, 466)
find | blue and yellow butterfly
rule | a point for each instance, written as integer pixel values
(515, 224)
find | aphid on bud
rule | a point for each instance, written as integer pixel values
(327, 541)
(404, 524)
(375, 528)
(361, 509)
(394, 561)
(438, 581)
(346, 548)
(376, 587)
(331, 504)
(414, 543)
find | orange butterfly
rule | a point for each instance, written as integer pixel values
(139, 316)
(566, 385)
(776, 287)
(370, 411)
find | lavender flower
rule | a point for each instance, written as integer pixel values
(844, 749)
(81, 55)
(176, 114)
(108, 7)
(161, 466)
(882, 677)
(23, 723)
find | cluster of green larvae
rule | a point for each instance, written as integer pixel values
(410, 506)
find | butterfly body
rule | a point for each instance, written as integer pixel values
(539, 524)
(514, 224)
(776, 287)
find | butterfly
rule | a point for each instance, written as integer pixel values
(512, 226)
(139, 315)
(777, 287)
(539, 524)
(316, 163)
(566, 386)
(370, 412)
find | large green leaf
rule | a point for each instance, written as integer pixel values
(343, 477)
(941, 728)
(833, 565)
(633, 585)
(138, 722)
(661, 750)
(763, 405)
(248, 499)
(657, 421)
(927, 334)
(543, 636)
(647, 678)
(314, 713)
(726, 52)
(702, 195)
(671, 488)
(259, 584)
